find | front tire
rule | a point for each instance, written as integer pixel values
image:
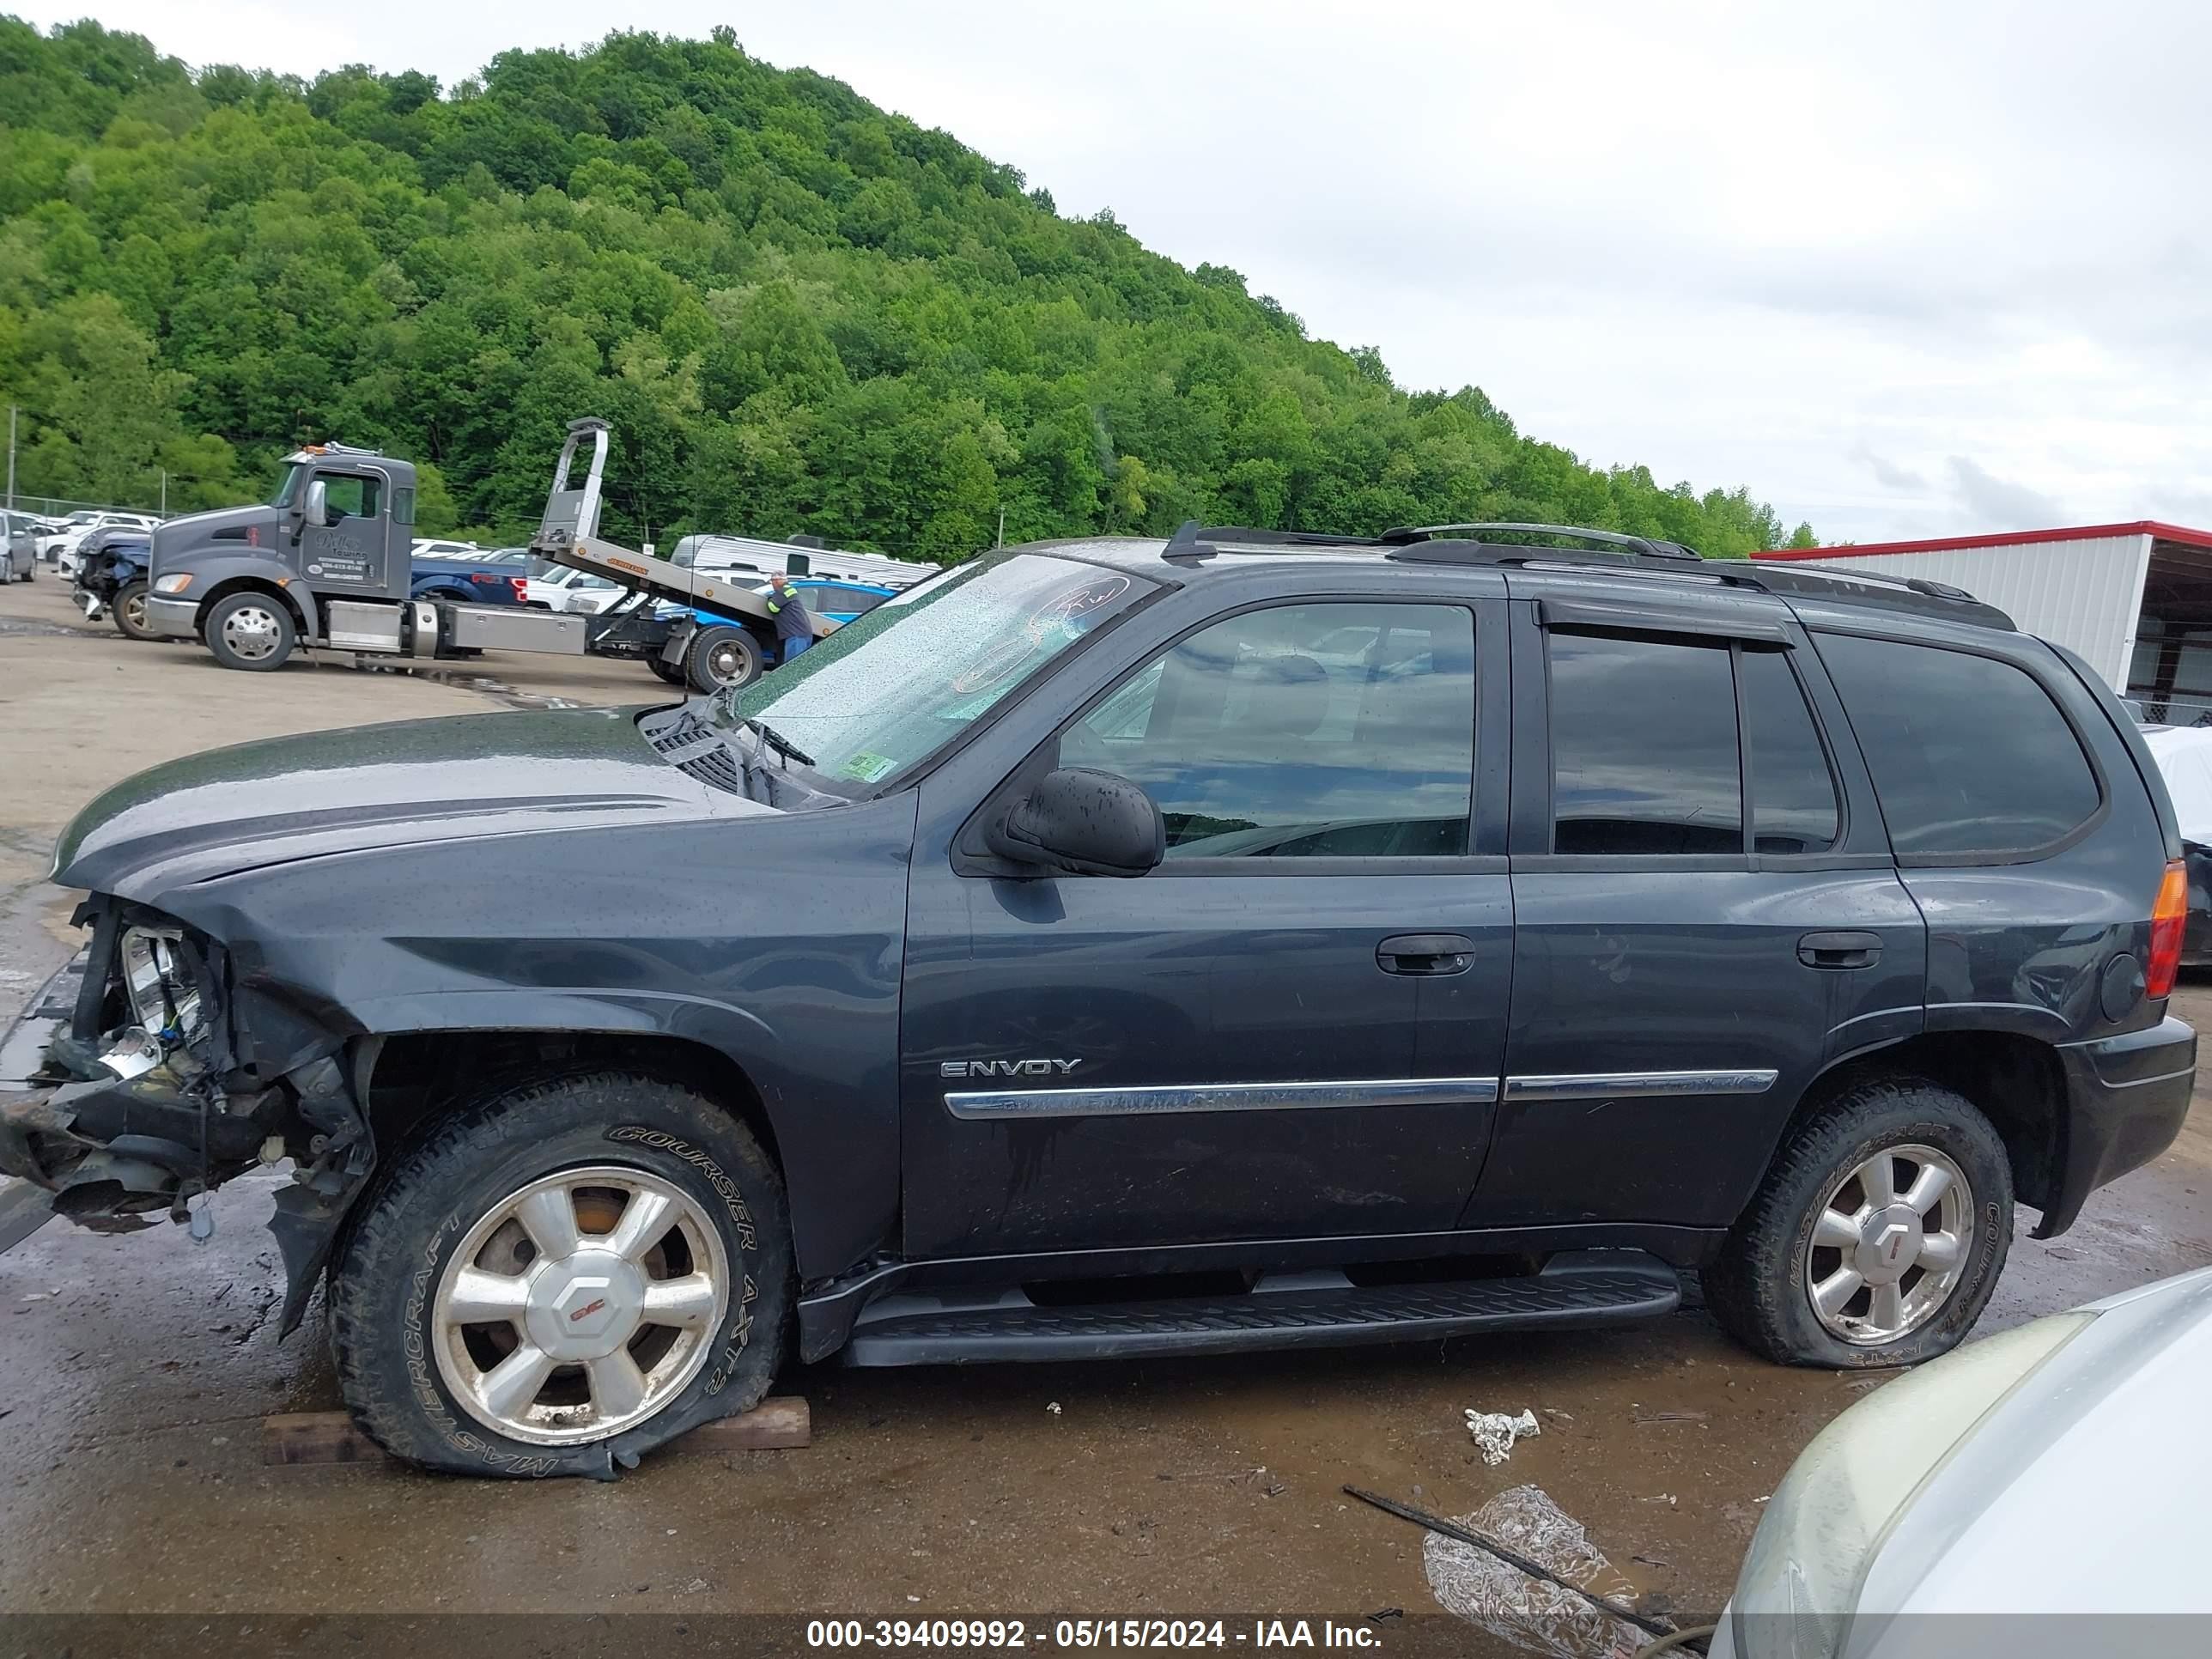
(252, 631)
(130, 612)
(565, 1273)
(1878, 1236)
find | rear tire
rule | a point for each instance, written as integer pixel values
(129, 612)
(721, 658)
(1838, 1262)
(253, 631)
(471, 1218)
(667, 671)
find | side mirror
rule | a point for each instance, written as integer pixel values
(1080, 821)
(318, 503)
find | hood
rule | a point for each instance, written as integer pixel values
(371, 787)
(249, 527)
(2080, 1491)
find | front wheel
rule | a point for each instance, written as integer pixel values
(1878, 1236)
(130, 612)
(252, 631)
(565, 1273)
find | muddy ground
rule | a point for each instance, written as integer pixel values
(134, 1371)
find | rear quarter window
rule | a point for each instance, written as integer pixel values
(1969, 753)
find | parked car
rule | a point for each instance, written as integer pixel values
(2057, 1468)
(466, 580)
(111, 580)
(65, 547)
(1120, 947)
(19, 547)
(2184, 754)
(577, 591)
(432, 547)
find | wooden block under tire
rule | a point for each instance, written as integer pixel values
(780, 1423)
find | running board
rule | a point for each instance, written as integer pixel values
(1321, 1310)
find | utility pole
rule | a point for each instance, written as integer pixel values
(11, 458)
(1002, 527)
(164, 492)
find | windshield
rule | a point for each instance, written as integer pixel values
(893, 686)
(287, 484)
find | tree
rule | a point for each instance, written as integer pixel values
(800, 311)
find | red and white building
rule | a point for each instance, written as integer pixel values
(2134, 600)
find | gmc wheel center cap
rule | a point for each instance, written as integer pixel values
(1888, 1244)
(585, 1305)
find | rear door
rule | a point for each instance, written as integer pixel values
(1293, 1026)
(1683, 966)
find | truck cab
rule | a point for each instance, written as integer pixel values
(254, 581)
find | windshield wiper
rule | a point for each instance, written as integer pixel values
(776, 740)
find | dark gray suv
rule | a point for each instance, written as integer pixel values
(1118, 947)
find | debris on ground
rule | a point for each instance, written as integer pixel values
(1495, 1432)
(1054, 1407)
(1671, 1417)
(1534, 1614)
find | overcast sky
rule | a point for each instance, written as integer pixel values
(1903, 270)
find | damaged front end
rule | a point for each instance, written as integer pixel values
(150, 1071)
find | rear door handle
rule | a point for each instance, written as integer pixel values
(1425, 954)
(1839, 950)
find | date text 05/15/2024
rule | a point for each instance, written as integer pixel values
(1007, 1634)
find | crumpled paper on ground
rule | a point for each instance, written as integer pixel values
(1495, 1432)
(1534, 1616)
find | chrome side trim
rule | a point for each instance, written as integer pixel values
(1221, 1097)
(1637, 1086)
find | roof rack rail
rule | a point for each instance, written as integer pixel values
(1407, 535)
(1193, 540)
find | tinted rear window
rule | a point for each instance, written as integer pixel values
(1969, 753)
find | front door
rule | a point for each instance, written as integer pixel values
(1684, 967)
(1294, 1025)
(346, 555)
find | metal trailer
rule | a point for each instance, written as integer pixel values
(2134, 600)
(253, 582)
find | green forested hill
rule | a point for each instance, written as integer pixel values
(801, 314)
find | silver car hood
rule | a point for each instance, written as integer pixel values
(2082, 1491)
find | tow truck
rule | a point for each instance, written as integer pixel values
(325, 563)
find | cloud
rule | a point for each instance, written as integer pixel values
(1888, 474)
(1811, 250)
(1995, 503)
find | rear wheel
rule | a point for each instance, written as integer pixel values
(1878, 1236)
(719, 658)
(566, 1272)
(130, 612)
(252, 631)
(667, 671)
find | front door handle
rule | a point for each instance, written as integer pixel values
(1839, 950)
(1429, 954)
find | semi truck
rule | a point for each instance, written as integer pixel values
(325, 563)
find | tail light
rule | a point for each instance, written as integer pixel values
(2168, 917)
(521, 585)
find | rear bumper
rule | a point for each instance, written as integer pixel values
(2127, 1097)
(173, 619)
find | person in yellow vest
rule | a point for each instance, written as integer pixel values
(794, 623)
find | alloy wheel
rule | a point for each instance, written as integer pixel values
(1889, 1244)
(580, 1305)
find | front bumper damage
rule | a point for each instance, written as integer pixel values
(122, 1125)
